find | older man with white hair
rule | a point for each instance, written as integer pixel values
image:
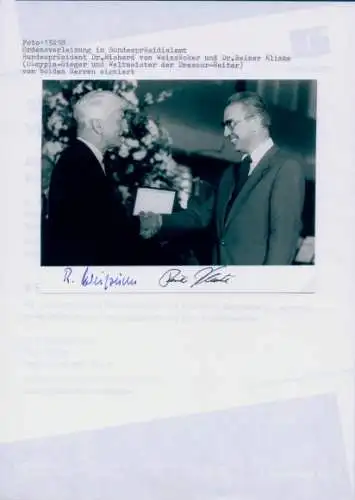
(87, 226)
(99, 116)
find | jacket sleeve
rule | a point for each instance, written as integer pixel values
(286, 206)
(196, 216)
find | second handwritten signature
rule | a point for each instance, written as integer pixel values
(210, 274)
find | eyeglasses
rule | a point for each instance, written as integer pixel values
(231, 124)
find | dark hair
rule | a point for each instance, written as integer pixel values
(254, 103)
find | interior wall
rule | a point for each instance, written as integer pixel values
(299, 96)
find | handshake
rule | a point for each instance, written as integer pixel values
(150, 224)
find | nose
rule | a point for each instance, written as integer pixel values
(124, 126)
(227, 132)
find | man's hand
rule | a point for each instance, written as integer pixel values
(150, 224)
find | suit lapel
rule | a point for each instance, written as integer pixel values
(226, 191)
(92, 169)
(254, 178)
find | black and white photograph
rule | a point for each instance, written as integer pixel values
(178, 172)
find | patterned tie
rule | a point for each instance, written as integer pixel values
(241, 176)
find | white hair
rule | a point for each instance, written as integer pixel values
(97, 104)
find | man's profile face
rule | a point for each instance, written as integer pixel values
(113, 127)
(238, 127)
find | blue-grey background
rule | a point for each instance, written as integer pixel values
(94, 21)
(285, 450)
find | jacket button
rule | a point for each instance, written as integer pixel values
(222, 243)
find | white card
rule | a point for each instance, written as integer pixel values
(157, 201)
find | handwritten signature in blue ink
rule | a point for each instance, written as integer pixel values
(102, 280)
(210, 274)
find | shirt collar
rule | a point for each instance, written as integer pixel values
(260, 152)
(99, 156)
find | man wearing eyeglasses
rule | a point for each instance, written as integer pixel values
(256, 213)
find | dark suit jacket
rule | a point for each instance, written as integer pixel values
(86, 223)
(264, 223)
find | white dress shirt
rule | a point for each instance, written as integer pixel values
(259, 153)
(99, 156)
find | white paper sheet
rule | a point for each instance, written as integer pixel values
(157, 201)
(166, 392)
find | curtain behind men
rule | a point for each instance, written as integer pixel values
(294, 95)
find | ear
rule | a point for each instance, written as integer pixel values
(97, 126)
(256, 123)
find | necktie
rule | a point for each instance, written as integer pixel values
(241, 177)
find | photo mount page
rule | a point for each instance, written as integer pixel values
(226, 324)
